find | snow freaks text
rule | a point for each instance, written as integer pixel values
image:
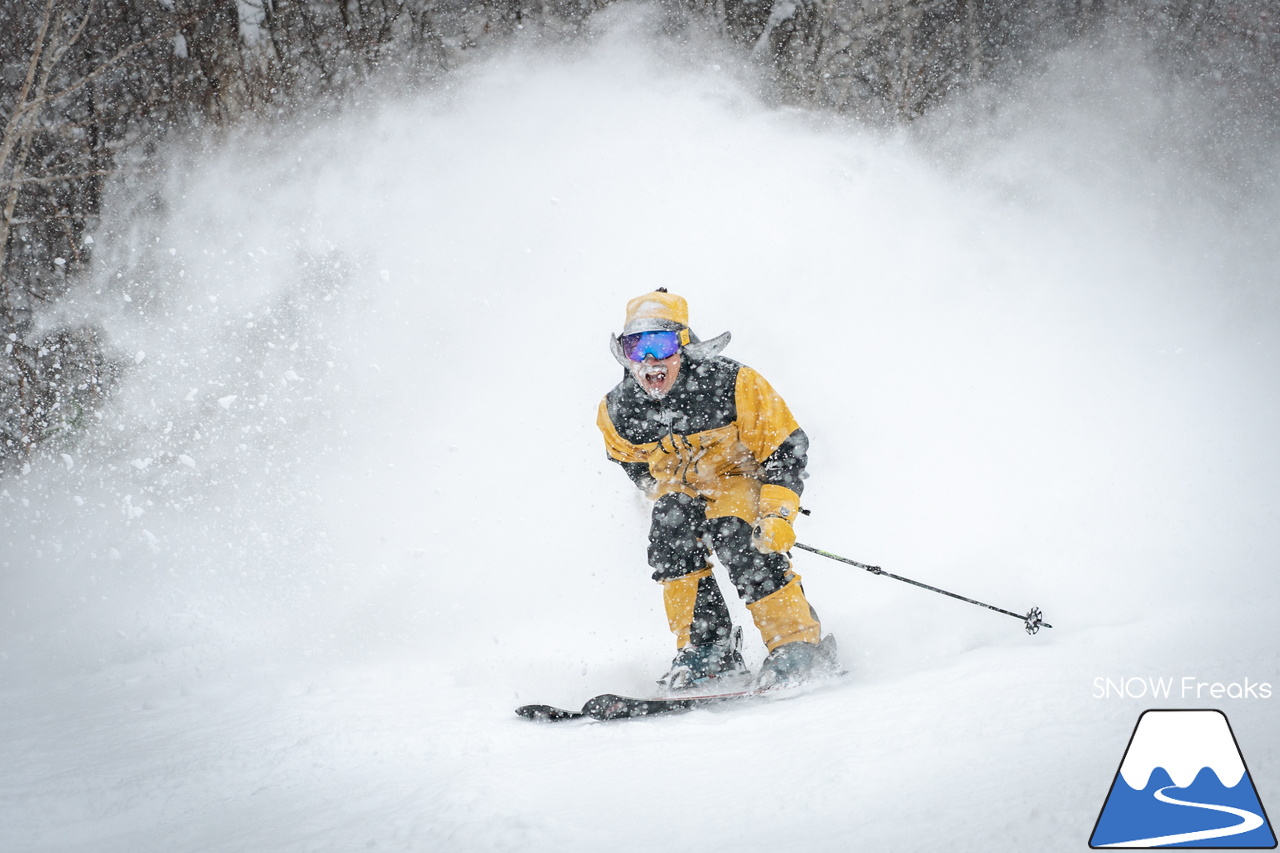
(1185, 687)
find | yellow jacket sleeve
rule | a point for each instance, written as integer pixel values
(764, 421)
(617, 446)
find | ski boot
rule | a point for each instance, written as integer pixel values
(795, 663)
(696, 666)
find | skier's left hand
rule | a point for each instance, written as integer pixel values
(773, 532)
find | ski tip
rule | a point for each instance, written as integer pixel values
(546, 713)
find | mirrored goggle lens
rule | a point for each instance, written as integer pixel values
(660, 345)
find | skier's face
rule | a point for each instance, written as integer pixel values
(656, 376)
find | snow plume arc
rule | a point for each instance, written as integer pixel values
(1183, 743)
(365, 355)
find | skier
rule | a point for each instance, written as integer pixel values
(716, 448)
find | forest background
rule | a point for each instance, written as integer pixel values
(91, 90)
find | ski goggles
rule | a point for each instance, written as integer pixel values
(659, 344)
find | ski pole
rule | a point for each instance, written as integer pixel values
(1033, 618)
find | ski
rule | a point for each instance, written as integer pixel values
(611, 706)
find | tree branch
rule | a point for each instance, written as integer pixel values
(53, 179)
(10, 138)
(108, 65)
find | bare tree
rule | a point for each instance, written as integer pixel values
(89, 88)
(84, 80)
(54, 37)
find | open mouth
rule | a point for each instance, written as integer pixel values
(653, 379)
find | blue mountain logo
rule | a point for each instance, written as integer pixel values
(1183, 783)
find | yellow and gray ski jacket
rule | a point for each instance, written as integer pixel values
(720, 434)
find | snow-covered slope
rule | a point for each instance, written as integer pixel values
(350, 508)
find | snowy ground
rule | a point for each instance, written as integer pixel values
(350, 507)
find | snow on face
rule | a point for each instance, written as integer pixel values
(657, 377)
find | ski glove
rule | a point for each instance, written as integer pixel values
(778, 508)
